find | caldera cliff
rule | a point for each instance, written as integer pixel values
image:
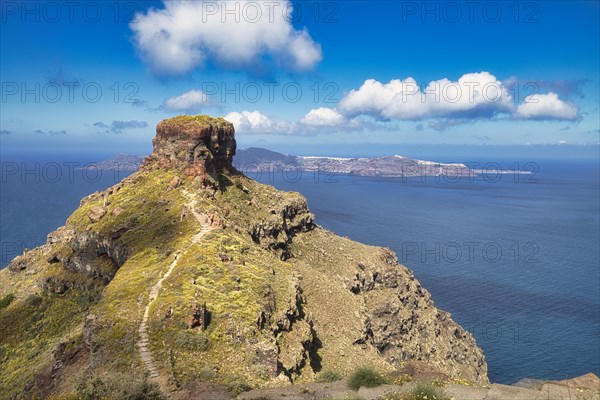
(198, 276)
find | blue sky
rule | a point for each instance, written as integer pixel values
(337, 77)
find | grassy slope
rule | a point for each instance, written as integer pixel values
(226, 270)
(38, 320)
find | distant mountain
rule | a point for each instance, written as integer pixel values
(257, 159)
(257, 155)
(120, 162)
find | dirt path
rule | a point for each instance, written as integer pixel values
(144, 341)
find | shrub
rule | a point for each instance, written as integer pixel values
(145, 391)
(238, 386)
(260, 370)
(426, 391)
(93, 388)
(365, 376)
(6, 300)
(207, 373)
(191, 341)
(33, 300)
(117, 387)
(327, 376)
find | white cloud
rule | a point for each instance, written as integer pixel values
(256, 122)
(184, 35)
(473, 95)
(323, 116)
(193, 100)
(546, 106)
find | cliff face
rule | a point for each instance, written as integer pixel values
(192, 271)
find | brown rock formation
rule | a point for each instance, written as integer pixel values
(199, 145)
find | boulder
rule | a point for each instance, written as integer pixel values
(96, 213)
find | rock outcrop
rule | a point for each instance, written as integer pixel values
(199, 145)
(404, 325)
(277, 230)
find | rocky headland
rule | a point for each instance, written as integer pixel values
(191, 279)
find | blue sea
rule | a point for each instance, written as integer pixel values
(514, 258)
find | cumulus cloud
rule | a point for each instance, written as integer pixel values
(192, 101)
(323, 116)
(257, 122)
(439, 105)
(119, 126)
(472, 95)
(546, 106)
(51, 133)
(185, 35)
(319, 120)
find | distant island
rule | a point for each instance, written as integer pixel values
(256, 159)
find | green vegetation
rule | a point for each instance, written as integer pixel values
(401, 379)
(208, 373)
(327, 376)
(264, 314)
(203, 120)
(200, 118)
(367, 377)
(227, 270)
(31, 329)
(117, 387)
(6, 300)
(190, 340)
(425, 391)
(238, 385)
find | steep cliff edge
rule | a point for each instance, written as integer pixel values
(266, 297)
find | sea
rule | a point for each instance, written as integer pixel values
(514, 258)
